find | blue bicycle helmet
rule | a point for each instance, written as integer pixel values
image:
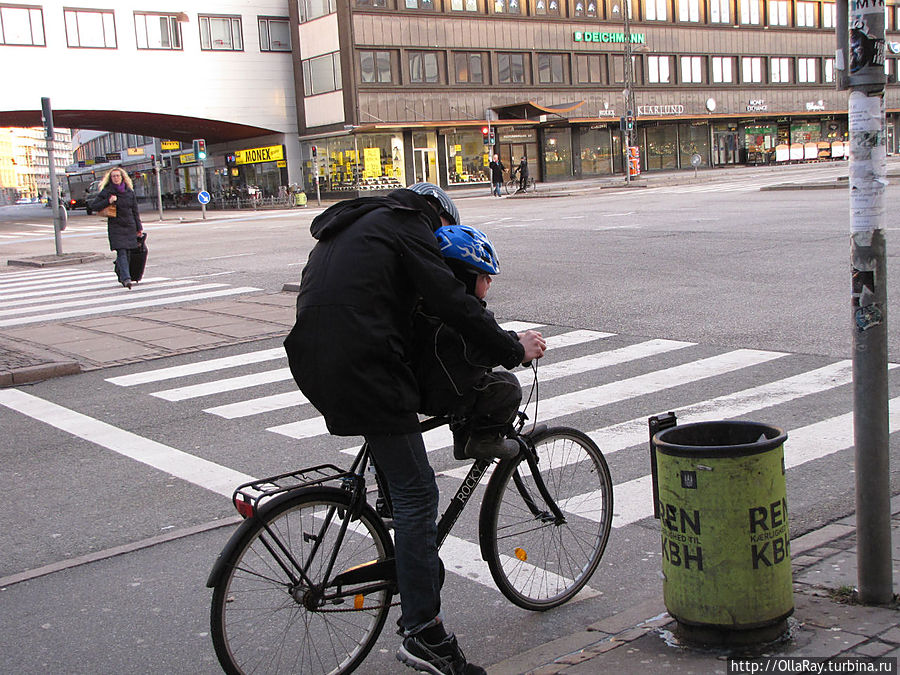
(447, 207)
(469, 246)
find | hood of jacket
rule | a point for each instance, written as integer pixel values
(341, 215)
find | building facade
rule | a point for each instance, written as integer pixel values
(25, 162)
(396, 91)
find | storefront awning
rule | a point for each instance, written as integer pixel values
(531, 110)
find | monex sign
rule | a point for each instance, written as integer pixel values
(272, 153)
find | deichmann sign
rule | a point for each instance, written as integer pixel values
(603, 36)
(273, 153)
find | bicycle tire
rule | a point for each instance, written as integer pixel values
(511, 186)
(536, 563)
(260, 624)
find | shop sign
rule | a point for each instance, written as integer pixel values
(512, 136)
(170, 145)
(815, 105)
(113, 156)
(757, 105)
(281, 164)
(676, 109)
(606, 113)
(135, 151)
(271, 153)
(187, 158)
(99, 159)
(603, 36)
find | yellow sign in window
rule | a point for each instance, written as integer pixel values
(170, 145)
(273, 153)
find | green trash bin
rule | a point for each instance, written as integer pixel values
(722, 506)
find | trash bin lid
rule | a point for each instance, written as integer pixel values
(718, 439)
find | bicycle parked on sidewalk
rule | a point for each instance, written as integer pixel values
(306, 582)
(512, 186)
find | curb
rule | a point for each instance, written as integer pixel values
(56, 260)
(44, 371)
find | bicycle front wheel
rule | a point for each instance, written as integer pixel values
(266, 619)
(537, 562)
(511, 186)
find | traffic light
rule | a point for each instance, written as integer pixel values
(315, 151)
(486, 135)
(492, 138)
(199, 149)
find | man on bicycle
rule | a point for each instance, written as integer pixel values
(522, 170)
(350, 354)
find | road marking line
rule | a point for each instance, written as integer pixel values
(105, 283)
(30, 284)
(6, 276)
(197, 367)
(113, 290)
(228, 384)
(257, 406)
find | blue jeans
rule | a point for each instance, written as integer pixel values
(122, 266)
(402, 460)
(496, 189)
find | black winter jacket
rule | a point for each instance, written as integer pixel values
(124, 228)
(350, 350)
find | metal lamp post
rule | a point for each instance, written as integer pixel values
(628, 92)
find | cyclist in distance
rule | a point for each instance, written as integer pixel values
(350, 352)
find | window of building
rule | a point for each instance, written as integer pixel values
(749, 12)
(507, 7)
(828, 70)
(658, 69)
(806, 14)
(829, 14)
(778, 12)
(313, 9)
(463, 5)
(552, 69)
(691, 69)
(90, 28)
(467, 158)
(274, 34)
(751, 69)
(376, 67)
(780, 70)
(221, 33)
(359, 3)
(689, 10)
(424, 67)
(21, 25)
(722, 69)
(157, 31)
(419, 4)
(469, 67)
(655, 10)
(720, 11)
(618, 69)
(511, 68)
(806, 70)
(322, 74)
(586, 8)
(896, 17)
(591, 69)
(546, 7)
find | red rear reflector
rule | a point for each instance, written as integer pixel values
(245, 509)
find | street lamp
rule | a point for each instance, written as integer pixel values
(628, 92)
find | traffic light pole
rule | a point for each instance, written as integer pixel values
(157, 161)
(629, 88)
(53, 197)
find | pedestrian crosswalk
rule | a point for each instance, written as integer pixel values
(58, 294)
(44, 229)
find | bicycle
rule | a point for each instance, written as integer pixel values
(512, 186)
(306, 582)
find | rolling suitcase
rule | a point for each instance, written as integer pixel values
(137, 259)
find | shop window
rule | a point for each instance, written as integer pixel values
(828, 70)
(274, 34)
(221, 33)
(467, 158)
(778, 12)
(157, 31)
(365, 162)
(749, 12)
(20, 25)
(751, 69)
(658, 68)
(507, 6)
(693, 139)
(779, 70)
(829, 14)
(720, 11)
(376, 67)
(322, 74)
(511, 68)
(557, 153)
(806, 70)
(552, 69)
(806, 14)
(723, 69)
(689, 10)
(90, 28)
(546, 7)
(463, 5)
(691, 69)
(469, 67)
(313, 9)
(424, 67)
(596, 152)
(662, 147)
(591, 69)
(419, 4)
(656, 10)
(586, 8)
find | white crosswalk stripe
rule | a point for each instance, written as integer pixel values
(57, 294)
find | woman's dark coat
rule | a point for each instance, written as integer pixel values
(124, 228)
(350, 349)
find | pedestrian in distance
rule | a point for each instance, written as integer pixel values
(350, 352)
(123, 229)
(497, 169)
(522, 170)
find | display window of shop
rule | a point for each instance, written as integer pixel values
(662, 147)
(806, 132)
(467, 158)
(348, 163)
(760, 142)
(557, 153)
(693, 139)
(596, 152)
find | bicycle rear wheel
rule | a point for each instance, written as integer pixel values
(511, 186)
(262, 621)
(536, 562)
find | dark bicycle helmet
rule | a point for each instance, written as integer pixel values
(468, 246)
(446, 206)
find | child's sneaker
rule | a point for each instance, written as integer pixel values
(491, 446)
(444, 658)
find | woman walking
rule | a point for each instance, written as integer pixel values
(125, 227)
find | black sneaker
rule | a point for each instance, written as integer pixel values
(490, 447)
(444, 658)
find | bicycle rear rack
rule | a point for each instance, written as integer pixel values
(248, 497)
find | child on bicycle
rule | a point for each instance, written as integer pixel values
(455, 374)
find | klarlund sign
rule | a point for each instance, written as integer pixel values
(273, 153)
